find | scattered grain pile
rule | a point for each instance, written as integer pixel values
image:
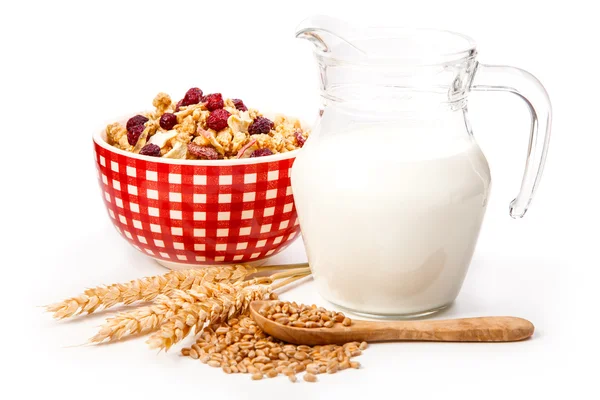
(240, 346)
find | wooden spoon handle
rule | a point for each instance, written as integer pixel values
(482, 329)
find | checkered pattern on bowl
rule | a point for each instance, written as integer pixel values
(197, 213)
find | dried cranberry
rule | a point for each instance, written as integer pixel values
(203, 152)
(192, 96)
(299, 138)
(135, 121)
(261, 153)
(239, 104)
(213, 101)
(168, 121)
(260, 125)
(217, 120)
(133, 135)
(150, 150)
(179, 103)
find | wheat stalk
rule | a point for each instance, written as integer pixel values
(290, 280)
(145, 289)
(217, 304)
(185, 299)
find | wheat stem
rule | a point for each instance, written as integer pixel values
(292, 272)
(281, 267)
(288, 281)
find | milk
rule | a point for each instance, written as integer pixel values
(390, 229)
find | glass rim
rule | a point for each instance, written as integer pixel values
(464, 47)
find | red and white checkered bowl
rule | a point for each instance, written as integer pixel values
(191, 213)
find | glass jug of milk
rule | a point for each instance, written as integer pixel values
(391, 188)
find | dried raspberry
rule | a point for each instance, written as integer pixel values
(217, 119)
(135, 121)
(192, 96)
(133, 135)
(150, 150)
(261, 153)
(168, 121)
(260, 125)
(239, 104)
(203, 152)
(299, 138)
(213, 101)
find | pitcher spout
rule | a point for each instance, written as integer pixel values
(327, 33)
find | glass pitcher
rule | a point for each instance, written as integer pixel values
(391, 188)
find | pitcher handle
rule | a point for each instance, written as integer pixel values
(530, 89)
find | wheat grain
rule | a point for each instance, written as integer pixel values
(144, 289)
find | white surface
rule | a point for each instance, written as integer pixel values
(66, 68)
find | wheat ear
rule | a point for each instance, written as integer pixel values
(150, 318)
(139, 321)
(145, 289)
(229, 302)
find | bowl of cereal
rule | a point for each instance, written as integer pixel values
(202, 181)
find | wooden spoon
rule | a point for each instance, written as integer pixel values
(481, 329)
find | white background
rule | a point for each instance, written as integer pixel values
(66, 69)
